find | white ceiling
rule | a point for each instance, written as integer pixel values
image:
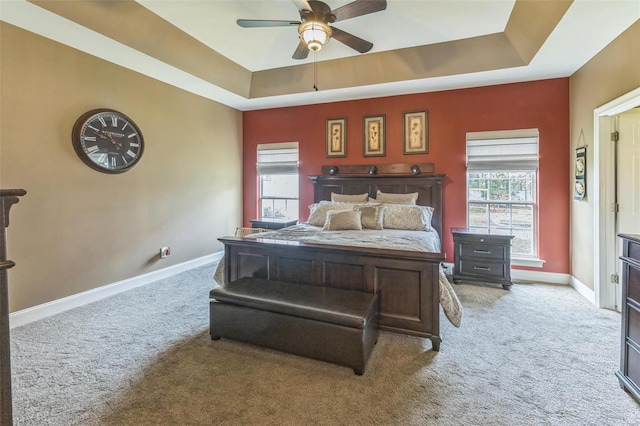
(586, 28)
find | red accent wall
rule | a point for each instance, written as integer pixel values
(539, 104)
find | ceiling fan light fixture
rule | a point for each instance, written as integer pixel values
(314, 34)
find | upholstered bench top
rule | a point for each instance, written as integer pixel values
(336, 306)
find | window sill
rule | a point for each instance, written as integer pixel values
(527, 261)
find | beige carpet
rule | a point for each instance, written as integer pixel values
(537, 355)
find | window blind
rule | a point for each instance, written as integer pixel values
(278, 159)
(512, 150)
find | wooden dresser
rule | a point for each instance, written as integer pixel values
(629, 373)
(482, 257)
(8, 197)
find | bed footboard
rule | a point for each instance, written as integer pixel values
(406, 282)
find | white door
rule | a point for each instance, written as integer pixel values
(628, 178)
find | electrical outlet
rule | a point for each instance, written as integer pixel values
(164, 252)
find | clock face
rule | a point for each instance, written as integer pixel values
(107, 141)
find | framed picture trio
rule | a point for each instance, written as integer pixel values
(374, 135)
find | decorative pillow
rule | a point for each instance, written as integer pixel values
(342, 220)
(345, 198)
(318, 211)
(372, 216)
(412, 218)
(383, 197)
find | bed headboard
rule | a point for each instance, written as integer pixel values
(428, 187)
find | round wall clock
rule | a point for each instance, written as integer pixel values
(107, 141)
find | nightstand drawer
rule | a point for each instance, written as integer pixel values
(484, 269)
(633, 250)
(633, 365)
(485, 251)
(633, 285)
(633, 321)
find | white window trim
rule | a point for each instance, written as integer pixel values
(531, 262)
(503, 134)
(518, 260)
(277, 168)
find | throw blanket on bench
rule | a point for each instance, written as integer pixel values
(424, 241)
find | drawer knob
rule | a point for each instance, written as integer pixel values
(482, 268)
(481, 251)
(482, 240)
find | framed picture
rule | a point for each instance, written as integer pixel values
(416, 132)
(374, 136)
(336, 137)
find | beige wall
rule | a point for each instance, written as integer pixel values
(78, 229)
(609, 75)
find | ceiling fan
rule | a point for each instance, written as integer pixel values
(314, 29)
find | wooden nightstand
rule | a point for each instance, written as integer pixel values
(482, 257)
(269, 223)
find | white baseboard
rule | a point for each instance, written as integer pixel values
(44, 310)
(585, 291)
(545, 277)
(521, 274)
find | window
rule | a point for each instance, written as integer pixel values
(278, 173)
(501, 186)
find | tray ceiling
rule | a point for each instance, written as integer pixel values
(419, 45)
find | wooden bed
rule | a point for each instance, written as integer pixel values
(406, 281)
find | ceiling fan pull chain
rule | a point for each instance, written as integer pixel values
(315, 71)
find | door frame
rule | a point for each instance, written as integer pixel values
(603, 195)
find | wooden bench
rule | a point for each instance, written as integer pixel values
(328, 324)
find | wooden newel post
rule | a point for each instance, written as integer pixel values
(8, 197)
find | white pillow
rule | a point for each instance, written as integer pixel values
(347, 198)
(412, 218)
(318, 211)
(410, 199)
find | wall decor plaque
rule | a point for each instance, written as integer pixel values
(580, 185)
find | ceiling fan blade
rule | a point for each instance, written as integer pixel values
(356, 43)
(258, 23)
(302, 51)
(359, 8)
(302, 5)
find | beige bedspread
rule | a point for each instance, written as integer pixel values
(386, 238)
